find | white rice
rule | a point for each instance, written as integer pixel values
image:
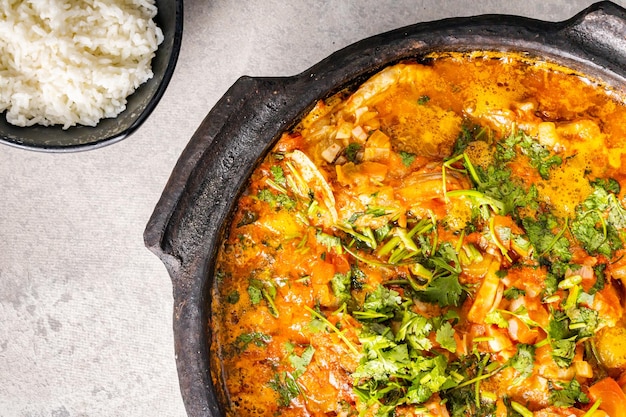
(71, 62)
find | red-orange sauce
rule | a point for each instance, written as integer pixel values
(448, 239)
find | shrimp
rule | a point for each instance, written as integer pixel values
(381, 82)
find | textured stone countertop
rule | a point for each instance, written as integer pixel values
(85, 308)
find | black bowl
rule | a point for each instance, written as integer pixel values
(140, 104)
(188, 223)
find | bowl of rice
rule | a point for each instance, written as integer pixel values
(81, 74)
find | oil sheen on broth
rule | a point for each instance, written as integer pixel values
(445, 240)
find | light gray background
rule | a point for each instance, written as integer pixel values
(85, 309)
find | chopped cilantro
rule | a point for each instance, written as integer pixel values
(540, 234)
(496, 183)
(558, 326)
(300, 363)
(563, 351)
(407, 158)
(233, 297)
(540, 158)
(423, 100)
(379, 305)
(341, 284)
(259, 290)
(255, 287)
(352, 152)
(523, 361)
(567, 395)
(468, 134)
(610, 185)
(603, 201)
(590, 230)
(256, 338)
(286, 387)
(513, 293)
(329, 241)
(382, 361)
(583, 321)
(496, 317)
(444, 290)
(600, 279)
(278, 174)
(316, 325)
(415, 330)
(445, 337)
(276, 201)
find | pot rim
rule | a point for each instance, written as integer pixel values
(187, 225)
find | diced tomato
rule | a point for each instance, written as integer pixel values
(612, 398)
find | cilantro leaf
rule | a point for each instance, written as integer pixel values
(415, 330)
(444, 290)
(496, 317)
(539, 156)
(563, 351)
(254, 291)
(513, 293)
(583, 321)
(262, 290)
(589, 229)
(434, 380)
(496, 182)
(352, 152)
(523, 361)
(285, 385)
(256, 338)
(381, 360)
(469, 133)
(445, 337)
(276, 201)
(340, 284)
(599, 220)
(602, 200)
(540, 234)
(600, 279)
(407, 158)
(300, 363)
(567, 395)
(278, 174)
(558, 326)
(329, 241)
(608, 184)
(379, 305)
(233, 297)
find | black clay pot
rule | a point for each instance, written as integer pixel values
(187, 225)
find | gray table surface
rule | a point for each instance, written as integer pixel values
(85, 309)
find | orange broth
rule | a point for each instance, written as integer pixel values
(446, 240)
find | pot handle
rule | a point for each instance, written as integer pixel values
(183, 227)
(209, 173)
(600, 31)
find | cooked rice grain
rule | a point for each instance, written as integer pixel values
(72, 62)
